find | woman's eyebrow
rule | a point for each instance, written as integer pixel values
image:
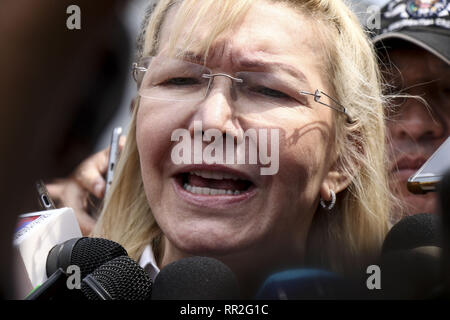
(252, 64)
(273, 65)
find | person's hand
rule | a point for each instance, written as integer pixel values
(84, 189)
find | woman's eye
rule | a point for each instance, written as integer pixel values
(182, 81)
(272, 93)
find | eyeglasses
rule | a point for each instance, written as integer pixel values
(167, 79)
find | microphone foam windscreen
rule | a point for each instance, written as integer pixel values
(414, 231)
(86, 253)
(122, 278)
(409, 274)
(196, 278)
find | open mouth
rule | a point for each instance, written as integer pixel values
(213, 183)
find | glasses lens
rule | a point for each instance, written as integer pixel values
(179, 80)
(173, 79)
(267, 90)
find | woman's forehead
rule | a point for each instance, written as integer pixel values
(266, 29)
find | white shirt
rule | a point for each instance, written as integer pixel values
(148, 262)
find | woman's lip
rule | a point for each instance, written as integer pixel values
(215, 167)
(213, 201)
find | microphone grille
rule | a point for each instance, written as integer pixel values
(414, 231)
(122, 278)
(196, 278)
(90, 253)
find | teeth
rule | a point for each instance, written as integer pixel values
(214, 175)
(188, 187)
(209, 191)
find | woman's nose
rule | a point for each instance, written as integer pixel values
(415, 121)
(216, 111)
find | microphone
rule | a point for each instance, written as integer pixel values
(410, 260)
(297, 284)
(35, 235)
(418, 230)
(196, 278)
(119, 279)
(86, 253)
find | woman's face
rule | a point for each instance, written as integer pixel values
(271, 214)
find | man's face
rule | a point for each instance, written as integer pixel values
(416, 131)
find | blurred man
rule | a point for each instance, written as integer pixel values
(414, 47)
(58, 89)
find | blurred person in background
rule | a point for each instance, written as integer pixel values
(59, 87)
(414, 48)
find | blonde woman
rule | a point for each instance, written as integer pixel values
(304, 68)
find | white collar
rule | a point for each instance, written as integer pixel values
(148, 262)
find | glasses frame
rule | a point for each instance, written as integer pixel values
(136, 69)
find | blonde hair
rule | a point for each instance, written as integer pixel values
(347, 238)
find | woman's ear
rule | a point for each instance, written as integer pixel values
(335, 180)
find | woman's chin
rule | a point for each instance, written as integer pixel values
(206, 242)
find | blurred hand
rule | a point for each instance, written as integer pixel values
(84, 189)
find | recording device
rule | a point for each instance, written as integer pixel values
(410, 262)
(119, 279)
(300, 284)
(415, 231)
(426, 179)
(54, 286)
(85, 253)
(45, 200)
(113, 156)
(196, 278)
(35, 235)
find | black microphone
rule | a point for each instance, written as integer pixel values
(418, 230)
(410, 261)
(119, 279)
(86, 253)
(196, 278)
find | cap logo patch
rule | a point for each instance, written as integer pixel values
(426, 8)
(411, 13)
